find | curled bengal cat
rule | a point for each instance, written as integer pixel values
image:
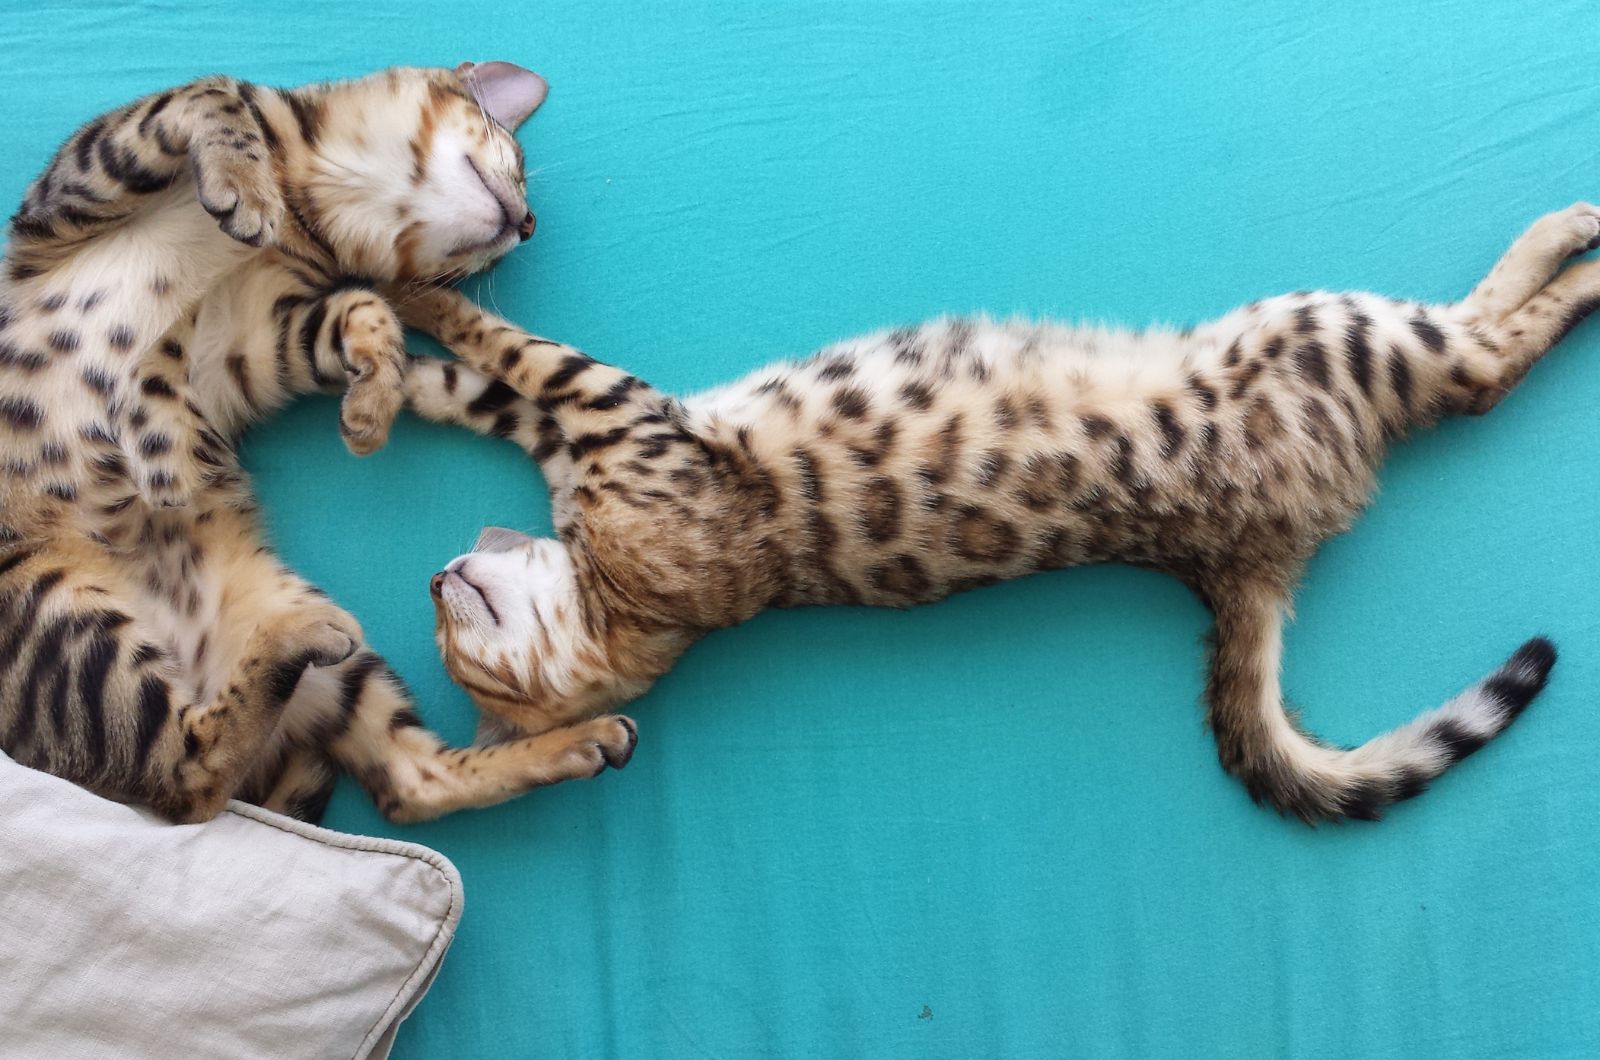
(901, 467)
(185, 265)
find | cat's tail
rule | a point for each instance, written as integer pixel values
(1259, 742)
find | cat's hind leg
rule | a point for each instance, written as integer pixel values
(1532, 298)
(1501, 354)
(89, 691)
(303, 785)
(1532, 260)
(214, 748)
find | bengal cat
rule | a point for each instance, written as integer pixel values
(185, 265)
(901, 467)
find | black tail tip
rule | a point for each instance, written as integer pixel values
(1523, 676)
(1537, 656)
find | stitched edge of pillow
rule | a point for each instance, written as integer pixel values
(415, 984)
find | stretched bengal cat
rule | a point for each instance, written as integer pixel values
(185, 265)
(901, 467)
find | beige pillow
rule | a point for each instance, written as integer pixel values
(250, 936)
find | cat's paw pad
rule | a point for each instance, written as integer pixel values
(240, 192)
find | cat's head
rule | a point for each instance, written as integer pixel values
(412, 173)
(519, 630)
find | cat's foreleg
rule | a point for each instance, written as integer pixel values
(413, 776)
(597, 405)
(458, 394)
(110, 166)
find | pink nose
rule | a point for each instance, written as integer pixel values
(436, 585)
(525, 227)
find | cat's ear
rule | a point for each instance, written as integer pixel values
(505, 90)
(499, 539)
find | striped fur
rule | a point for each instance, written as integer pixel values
(186, 265)
(904, 466)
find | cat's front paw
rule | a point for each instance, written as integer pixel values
(374, 361)
(368, 411)
(608, 742)
(237, 187)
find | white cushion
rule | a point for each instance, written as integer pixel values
(252, 935)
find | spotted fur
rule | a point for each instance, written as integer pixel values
(899, 468)
(186, 265)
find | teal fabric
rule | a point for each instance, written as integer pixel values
(994, 827)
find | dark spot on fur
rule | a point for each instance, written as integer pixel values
(977, 534)
(880, 509)
(851, 403)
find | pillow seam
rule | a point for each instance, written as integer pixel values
(379, 845)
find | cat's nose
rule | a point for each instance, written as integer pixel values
(436, 585)
(525, 226)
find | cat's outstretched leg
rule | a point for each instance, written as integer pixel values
(456, 393)
(411, 774)
(1529, 302)
(1530, 263)
(596, 405)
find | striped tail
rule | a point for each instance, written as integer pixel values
(1283, 767)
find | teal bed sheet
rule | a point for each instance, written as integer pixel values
(993, 827)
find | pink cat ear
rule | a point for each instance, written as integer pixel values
(499, 539)
(505, 90)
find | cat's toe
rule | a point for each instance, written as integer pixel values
(328, 645)
(367, 414)
(323, 634)
(243, 198)
(618, 744)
